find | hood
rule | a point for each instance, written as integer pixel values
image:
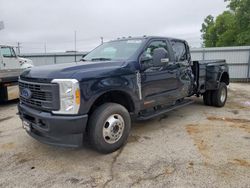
(25, 63)
(78, 70)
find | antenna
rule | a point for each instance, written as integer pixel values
(18, 48)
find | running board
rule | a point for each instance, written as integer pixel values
(164, 110)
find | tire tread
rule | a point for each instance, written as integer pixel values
(95, 123)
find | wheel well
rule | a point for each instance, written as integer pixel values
(118, 97)
(225, 78)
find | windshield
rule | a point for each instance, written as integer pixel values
(115, 50)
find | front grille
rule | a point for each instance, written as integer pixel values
(44, 96)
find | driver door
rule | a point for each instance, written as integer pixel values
(159, 84)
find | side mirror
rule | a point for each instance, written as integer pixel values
(160, 57)
(145, 58)
(146, 62)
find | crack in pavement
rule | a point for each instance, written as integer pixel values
(220, 169)
(112, 167)
(6, 118)
(139, 180)
(167, 170)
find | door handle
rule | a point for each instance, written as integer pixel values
(171, 63)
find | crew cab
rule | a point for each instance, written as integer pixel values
(11, 67)
(119, 81)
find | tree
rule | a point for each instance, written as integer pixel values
(225, 29)
(231, 28)
(208, 34)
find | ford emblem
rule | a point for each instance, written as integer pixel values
(26, 93)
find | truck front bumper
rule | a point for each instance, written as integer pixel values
(52, 129)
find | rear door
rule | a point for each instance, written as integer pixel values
(9, 58)
(159, 84)
(183, 60)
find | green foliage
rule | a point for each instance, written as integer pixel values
(208, 34)
(231, 28)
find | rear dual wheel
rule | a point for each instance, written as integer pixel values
(207, 98)
(217, 97)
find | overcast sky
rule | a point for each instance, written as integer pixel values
(36, 22)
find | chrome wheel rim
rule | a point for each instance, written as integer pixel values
(223, 95)
(113, 128)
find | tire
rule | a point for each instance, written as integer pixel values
(219, 96)
(109, 127)
(207, 98)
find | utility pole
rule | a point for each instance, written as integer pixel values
(45, 48)
(18, 48)
(1, 25)
(101, 40)
(75, 46)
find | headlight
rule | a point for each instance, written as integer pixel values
(69, 92)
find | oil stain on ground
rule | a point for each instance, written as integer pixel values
(7, 146)
(199, 132)
(232, 120)
(133, 138)
(136, 138)
(235, 122)
(241, 162)
(235, 112)
(195, 131)
(73, 180)
(147, 137)
(21, 158)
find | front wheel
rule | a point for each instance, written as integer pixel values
(109, 127)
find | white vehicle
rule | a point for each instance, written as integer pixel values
(11, 67)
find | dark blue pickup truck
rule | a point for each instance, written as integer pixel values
(121, 80)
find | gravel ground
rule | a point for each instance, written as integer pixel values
(195, 146)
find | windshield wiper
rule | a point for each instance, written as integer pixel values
(101, 59)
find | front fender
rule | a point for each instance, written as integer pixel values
(27, 65)
(91, 90)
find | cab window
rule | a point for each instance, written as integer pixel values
(152, 46)
(7, 52)
(148, 52)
